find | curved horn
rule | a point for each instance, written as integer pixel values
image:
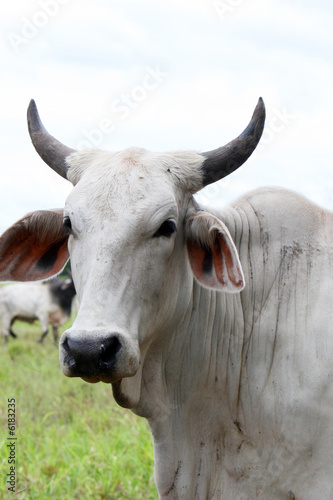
(49, 149)
(223, 161)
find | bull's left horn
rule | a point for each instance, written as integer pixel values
(223, 161)
(53, 152)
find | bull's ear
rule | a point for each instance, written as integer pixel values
(213, 256)
(34, 248)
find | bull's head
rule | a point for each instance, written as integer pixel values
(135, 237)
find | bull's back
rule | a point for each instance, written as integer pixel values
(286, 391)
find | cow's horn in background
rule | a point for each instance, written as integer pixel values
(53, 152)
(223, 161)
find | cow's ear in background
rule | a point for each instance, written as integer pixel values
(34, 248)
(212, 253)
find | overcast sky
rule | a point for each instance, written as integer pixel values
(166, 75)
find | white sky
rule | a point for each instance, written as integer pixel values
(165, 75)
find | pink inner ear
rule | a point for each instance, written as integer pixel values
(218, 259)
(28, 260)
(197, 257)
(217, 267)
(34, 248)
(222, 253)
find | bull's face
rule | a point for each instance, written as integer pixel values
(125, 218)
(135, 238)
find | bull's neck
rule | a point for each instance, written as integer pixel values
(206, 349)
(196, 393)
(196, 397)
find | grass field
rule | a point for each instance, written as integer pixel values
(73, 441)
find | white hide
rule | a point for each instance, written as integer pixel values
(237, 388)
(28, 302)
(251, 414)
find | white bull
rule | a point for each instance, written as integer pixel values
(236, 382)
(49, 303)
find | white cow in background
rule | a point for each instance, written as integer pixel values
(215, 326)
(49, 303)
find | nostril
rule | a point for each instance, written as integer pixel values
(65, 345)
(94, 356)
(108, 349)
(70, 361)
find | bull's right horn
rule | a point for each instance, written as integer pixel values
(224, 160)
(53, 152)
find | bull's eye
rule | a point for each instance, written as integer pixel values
(67, 225)
(166, 229)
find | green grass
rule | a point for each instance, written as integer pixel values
(73, 441)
